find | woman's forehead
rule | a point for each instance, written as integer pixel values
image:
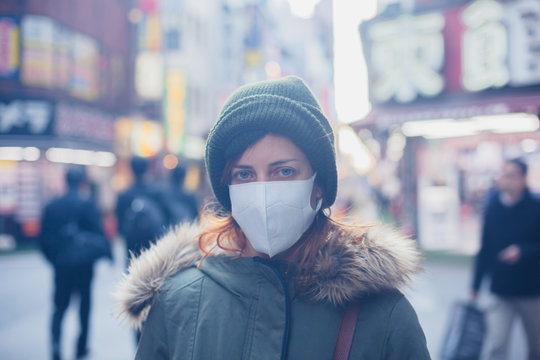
(272, 148)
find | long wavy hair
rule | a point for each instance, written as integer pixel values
(222, 233)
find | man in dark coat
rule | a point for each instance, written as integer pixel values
(510, 252)
(140, 211)
(72, 212)
(181, 205)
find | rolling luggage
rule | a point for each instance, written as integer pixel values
(465, 332)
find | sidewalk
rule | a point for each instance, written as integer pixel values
(443, 282)
(26, 291)
(26, 302)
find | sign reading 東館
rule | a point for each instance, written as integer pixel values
(484, 45)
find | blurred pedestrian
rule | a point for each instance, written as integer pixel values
(140, 211)
(72, 239)
(510, 253)
(270, 275)
(181, 205)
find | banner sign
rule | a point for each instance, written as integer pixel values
(484, 45)
(84, 82)
(38, 51)
(26, 117)
(55, 57)
(9, 48)
(174, 109)
(83, 123)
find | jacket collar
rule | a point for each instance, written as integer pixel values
(353, 263)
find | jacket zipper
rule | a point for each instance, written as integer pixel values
(283, 281)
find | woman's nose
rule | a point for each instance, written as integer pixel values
(262, 177)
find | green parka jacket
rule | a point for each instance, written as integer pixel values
(248, 308)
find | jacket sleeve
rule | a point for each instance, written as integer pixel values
(47, 241)
(405, 338)
(153, 343)
(484, 256)
(530, 246)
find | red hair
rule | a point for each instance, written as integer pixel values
(221, 231)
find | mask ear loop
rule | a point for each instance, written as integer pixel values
(319, 205)
(319, 201)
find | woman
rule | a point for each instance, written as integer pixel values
(269, 276)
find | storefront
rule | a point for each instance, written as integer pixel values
(64, 79)
(459, 84)
(39, 140)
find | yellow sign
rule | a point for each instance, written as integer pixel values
(175, 110)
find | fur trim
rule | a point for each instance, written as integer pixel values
(359, 261)
(355, 262)
(146, 274)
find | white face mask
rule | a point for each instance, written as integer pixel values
(274, 214)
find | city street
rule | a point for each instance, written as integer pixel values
(26, 302)
(25, 294)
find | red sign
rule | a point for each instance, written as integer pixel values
(461, 50)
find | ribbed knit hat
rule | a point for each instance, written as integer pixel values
(284, 107)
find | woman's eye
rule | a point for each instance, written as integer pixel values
(241, 175)
(285, 172)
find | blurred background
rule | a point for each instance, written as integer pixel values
(427, 98)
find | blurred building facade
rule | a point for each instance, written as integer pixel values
(190, 55)
(95, 82)
(455, 89)
(65, 75)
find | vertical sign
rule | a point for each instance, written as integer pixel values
(9, 47)
(407, 56)
(524, 45)
(484, 46)
(62, 59)
(174, 110)
(37, 51)
(84, 82)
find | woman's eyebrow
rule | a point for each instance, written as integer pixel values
(281, 162)
(239, 166)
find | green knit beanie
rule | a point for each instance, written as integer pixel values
(285, 107)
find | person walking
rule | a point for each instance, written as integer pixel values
(140, 213)
(510, 253)
(181, 205)
(269, 275)
(64, 220)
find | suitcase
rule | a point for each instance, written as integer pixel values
(465, 332)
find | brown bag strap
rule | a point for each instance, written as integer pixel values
(346, 332)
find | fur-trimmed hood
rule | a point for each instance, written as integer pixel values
(354, 262)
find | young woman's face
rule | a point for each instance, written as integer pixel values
(273, 158)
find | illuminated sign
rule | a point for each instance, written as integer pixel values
(83, 122)
(25, 117)
(175, 110)
(38, 51)
(485, 44)
(84, 81)
(407, 55)
(138, 136)
(9, 47)
(62, 58)
(524, 53)
(149, 75)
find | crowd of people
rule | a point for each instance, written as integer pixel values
(73, 239)
(266, 273)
